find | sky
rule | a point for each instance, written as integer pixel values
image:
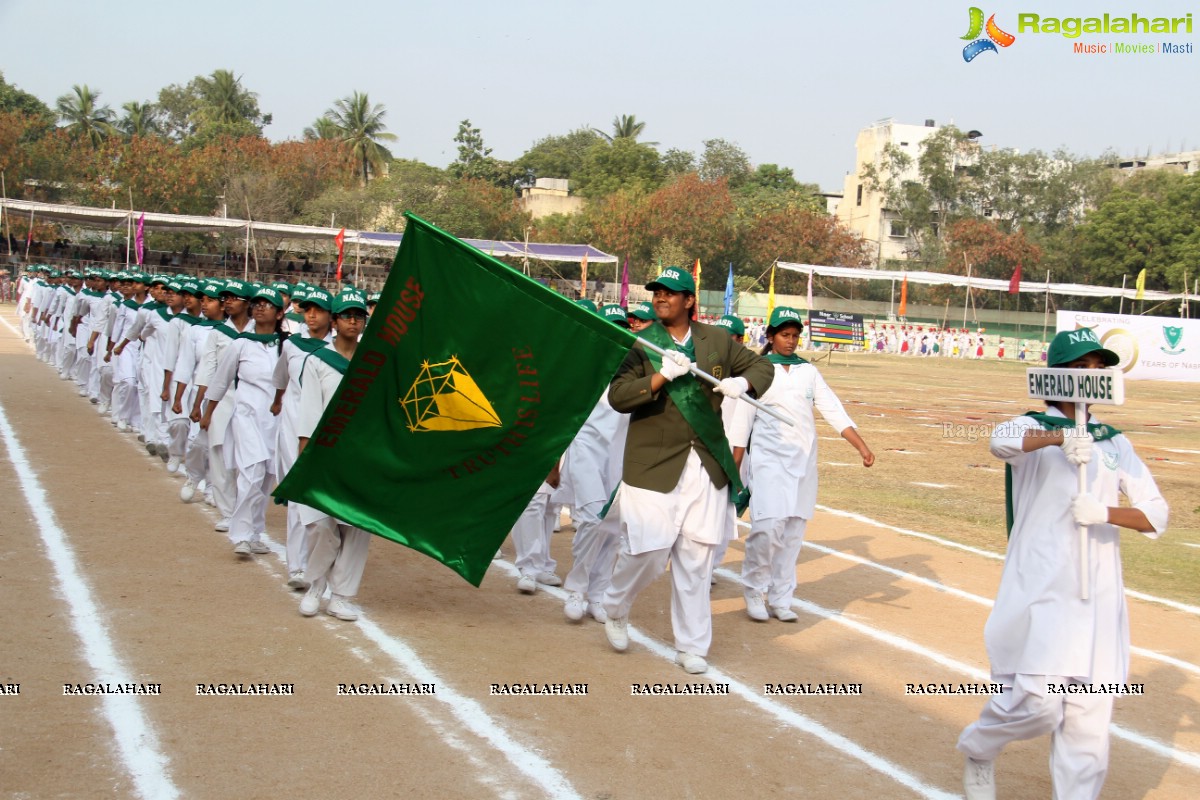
(791, 83)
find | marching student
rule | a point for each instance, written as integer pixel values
(126, 357)
(235, 299)
(179, 360)
(1042, 638)
(338, 552)
(317, 306)
(250, 439)
(673, 498)
(150, 327)
(592, 467)
(783, 469)
(207, 297)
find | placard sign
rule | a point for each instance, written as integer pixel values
(1093, 386)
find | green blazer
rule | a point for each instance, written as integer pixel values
(659, 437)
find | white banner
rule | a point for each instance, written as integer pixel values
(1151, 348)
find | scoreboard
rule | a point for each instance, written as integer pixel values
(835, 328)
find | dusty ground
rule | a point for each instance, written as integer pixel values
(882, 609)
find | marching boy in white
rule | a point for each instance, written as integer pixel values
(783, 470)
(1041, 636)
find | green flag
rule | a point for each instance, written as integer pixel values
(470, 381)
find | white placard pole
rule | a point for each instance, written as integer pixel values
(1081, 387)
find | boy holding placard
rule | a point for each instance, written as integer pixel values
(1059, 629)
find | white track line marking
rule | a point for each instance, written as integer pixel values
(467, 711)
(781, 712)
(136, 741)
(1149, 598)
(901, 643)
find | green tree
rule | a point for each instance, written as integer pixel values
(558, 156)
(625, 126)
(177, 107)
(801, 236)
(699, 215)
(361, 126)
(84, 118)
(724, 160)
(141, 119)
(678, 162)
(223, 100)
(14, 99)
(624, 164)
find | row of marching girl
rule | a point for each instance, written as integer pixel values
(783, 467)
(249, 441)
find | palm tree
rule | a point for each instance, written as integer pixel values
(322, 128)
(625, 126)
(84, 117)
(141, 119)
(223, 99)
(360, 125)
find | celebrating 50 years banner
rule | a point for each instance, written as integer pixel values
(1151, 348)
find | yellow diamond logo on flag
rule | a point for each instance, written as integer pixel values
(444, 397)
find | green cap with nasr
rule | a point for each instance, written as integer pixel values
(675, 279)
(1067, 346)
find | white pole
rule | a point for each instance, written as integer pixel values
(1121, 309)
(1046, 314)
(1084, 571)
(704, 376)
(246, 265)
(967, 298)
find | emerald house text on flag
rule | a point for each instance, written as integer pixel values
(470, 381)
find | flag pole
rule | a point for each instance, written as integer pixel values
(29, 236)
(967, 298)
(1121, 308)
(704, 376)
(8, 213)
(129, 228)
(1046, 314)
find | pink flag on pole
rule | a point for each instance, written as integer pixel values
(625, 282)
(139, 239)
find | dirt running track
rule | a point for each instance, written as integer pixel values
(178, 609)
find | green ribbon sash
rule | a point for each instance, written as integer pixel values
(793, 359)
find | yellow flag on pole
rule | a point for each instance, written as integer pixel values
(1141, 285)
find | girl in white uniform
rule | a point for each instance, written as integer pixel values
(317, 333)
(1047, 645)
(338, 552)
(250, 360)
(783, 471)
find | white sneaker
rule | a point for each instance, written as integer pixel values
(209, 500)
(122, 426)
(259, 547)
(242, 548)
(979, 779)
(784, 614)
(222, 526)
(526, 584)
(296, 580)
(341, 608)
(173, 465)
(203, 486)
(187, 492)
(597, 612)
(617, 631)
(548, 579)
(692, 664)
(310, 604)
(574, 607)
(755, 607)
(102, 408)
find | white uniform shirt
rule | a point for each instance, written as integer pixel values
(318, 382)
(1039, 625)
(252, 428)
(783, 470)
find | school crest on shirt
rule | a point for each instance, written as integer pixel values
(1110, 459)
(444, 397)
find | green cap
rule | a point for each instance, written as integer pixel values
(615, 314)
(189, 287)
(140, 277)
(268, 294)
(212, 287)
(163, 279)
(174, 285)
(732, 324)
(1070, 345)
(642, 310)
(676, 279)
(317, 297)
(348, 299)
(299, 293)
(587, 304)
(283, 287)
(373, 298)
(785, 316)
(237, 288)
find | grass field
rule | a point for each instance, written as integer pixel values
(928, 421)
